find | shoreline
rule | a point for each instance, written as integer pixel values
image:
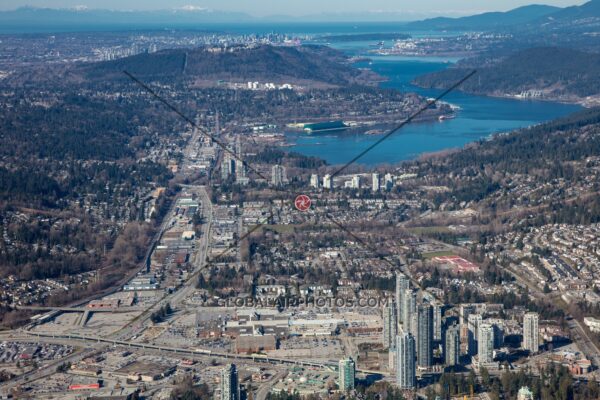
(356, 126)
(418, 151)
(586, 102)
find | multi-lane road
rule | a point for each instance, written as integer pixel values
(175, 298)
(96, 341)
(200, 255)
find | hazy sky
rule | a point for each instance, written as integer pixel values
(299, 7)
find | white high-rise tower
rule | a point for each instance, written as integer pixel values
(531, 332)
(485, 343)
(405, 361)
(389, 326)
(402, 285)
(230, 389)
(376, 182)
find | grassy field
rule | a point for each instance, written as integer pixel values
(429, 256)
(277, 228)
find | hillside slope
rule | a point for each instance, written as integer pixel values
(591, 9)
(573, 27)
(487, 21)
(312, 63)
(558, 73)
(546, 174)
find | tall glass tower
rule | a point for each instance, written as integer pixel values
(347, 370)
(230, 389)
(406, 377)
(424, 335)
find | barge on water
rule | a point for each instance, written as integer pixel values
(325, 126)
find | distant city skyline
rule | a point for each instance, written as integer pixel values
(262, 8)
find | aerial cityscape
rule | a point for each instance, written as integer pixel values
(202, 203)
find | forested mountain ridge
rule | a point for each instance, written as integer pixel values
(487, 21)
(535, 19)
(84, 149)
(557, 73)
(309, 66)
(575, 27)
(570, 138)
(75, 173)
(571, 14)
(260, 63)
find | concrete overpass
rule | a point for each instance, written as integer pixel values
(53, 312)
(258, 358)
(82, 309)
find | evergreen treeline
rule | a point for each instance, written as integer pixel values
(272, 155)
(161, 314)
(264, 62)
(566, 139)
(561, 150)
(79, 161)
(563, 71)
(554, 383)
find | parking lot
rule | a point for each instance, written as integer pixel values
(315, 347)
(11, 352)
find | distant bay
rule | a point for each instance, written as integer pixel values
(479, 117)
